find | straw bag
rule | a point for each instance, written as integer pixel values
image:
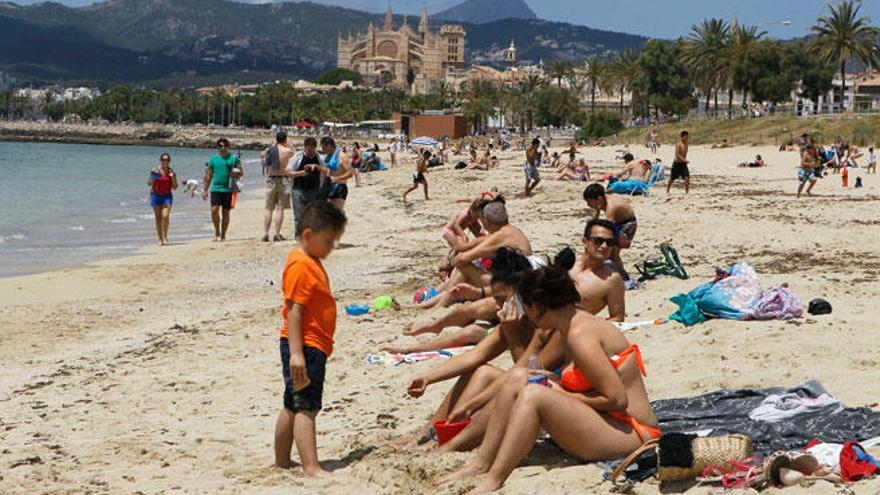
(684, 457)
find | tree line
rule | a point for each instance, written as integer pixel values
(715, 61)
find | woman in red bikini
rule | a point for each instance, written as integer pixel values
(599, 410)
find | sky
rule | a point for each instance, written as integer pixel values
(652, 18)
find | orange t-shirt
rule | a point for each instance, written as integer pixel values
(306, 283)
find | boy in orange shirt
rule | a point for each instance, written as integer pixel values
(308, 322)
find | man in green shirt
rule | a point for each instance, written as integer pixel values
(219, 171)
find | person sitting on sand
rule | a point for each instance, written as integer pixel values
(455, 231)
(469, 263)
(618, 210)
(599, 285)
(759, 162)
(556, 161)
(631, 169)
(722, 145)
(474, 387)
(577, 171)
(599, 409)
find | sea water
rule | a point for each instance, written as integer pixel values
(65, 205)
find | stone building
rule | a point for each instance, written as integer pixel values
(386, 55)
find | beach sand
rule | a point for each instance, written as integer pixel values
(160, 373)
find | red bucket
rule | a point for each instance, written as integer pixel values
(446, 431)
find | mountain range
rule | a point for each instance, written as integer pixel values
(188, 42)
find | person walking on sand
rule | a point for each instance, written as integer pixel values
(219, 172)
(337, 170)
(680, 164)
(533, 161)
(276, 159)
(162, 182)
(419, 176)
(807, 171)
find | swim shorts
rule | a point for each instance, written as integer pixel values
(531, 172)
(625, 232)
(680, 171)
(419, 178)
(277, 193)
(805, 175)
(309, 398)
(338, 191)
(222, 199)
(161, 199)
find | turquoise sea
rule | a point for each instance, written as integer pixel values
(68, 204)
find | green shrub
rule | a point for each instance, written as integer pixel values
(599, 125)
(864, 134)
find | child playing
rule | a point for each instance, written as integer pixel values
(308, 322)
(872, 161)
(419, 176)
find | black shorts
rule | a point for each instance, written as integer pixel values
(222, 199)
(338, 191)
(309, 398)
(419, 178)
(679, 171)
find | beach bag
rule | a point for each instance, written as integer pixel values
(779, 303)
(684, 457)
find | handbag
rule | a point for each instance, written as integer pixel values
(683, 457)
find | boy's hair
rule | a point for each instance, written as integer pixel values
(426, 154)
(628, 157)
(601, 222)
(311, 141)
(328, 141)
(323, 215)
(594, 191)
(280, 137)
(536, 142)
(684, 134)
(222, 141)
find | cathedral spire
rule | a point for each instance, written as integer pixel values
(389, 19)
(423, 22)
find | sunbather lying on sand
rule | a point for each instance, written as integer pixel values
(598, 410)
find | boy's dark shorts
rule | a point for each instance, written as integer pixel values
(309, 398)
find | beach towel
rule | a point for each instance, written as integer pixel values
(632, 187)
(779, 303)
(389, 359)
(727, 412)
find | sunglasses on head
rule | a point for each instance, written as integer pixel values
(608, 241)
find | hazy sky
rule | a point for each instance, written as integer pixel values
(654, 18)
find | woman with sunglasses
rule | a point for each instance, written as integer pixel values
(162, 182)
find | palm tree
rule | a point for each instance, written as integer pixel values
(479, 103)
(577, 83)
(595, 70)
(706, 55)
(528, 90)
(843, 36)
(624, 71)
(559, 70)
(441, 94)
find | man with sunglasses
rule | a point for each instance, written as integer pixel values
(219, 172)
(599, 285)
(617, 210)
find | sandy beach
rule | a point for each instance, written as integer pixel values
(160, 373)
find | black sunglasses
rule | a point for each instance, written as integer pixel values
(608, 241)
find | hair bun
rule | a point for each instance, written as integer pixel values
(565, 258)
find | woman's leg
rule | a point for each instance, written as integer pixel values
(577, 428)
(515, 380)
(467, 386)
(157, 213)
(460, 316)
(166, 222)
(469, 335)
(472, 436)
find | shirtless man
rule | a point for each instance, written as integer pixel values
(455, 231)
(533, 161)
(468, 262)
(276, 158)
(805, 173)
(618, 210)
(338, 170)
(680, 165)
(599, 285)
(631, 169)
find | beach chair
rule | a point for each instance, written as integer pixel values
(637, 187)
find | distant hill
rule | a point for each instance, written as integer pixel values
(177, 41)
(483, 11)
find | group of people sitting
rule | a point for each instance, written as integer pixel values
(574, 374)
